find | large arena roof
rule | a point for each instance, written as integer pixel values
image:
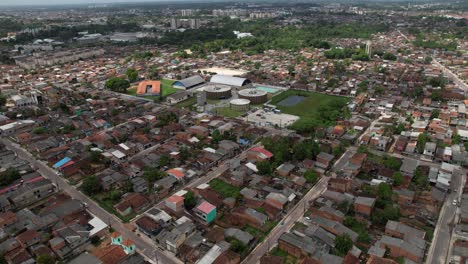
(229, 80)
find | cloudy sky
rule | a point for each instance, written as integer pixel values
(61, 2)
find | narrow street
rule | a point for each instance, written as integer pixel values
(146, 249)
(438, 252)
(297, 212)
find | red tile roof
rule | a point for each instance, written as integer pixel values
(115, 234)
(206, 207)
(175, 199)
(154, 87)
(176, 173)
(127, 242)
(265, 152)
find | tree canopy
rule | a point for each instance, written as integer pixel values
(343, 244)
(117, 84)
(91, 185)
(132, 74)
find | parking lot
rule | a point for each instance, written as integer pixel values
(269, 118)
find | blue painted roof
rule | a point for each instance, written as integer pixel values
(61, 162)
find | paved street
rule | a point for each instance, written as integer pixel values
(439, 249)
(143, 247)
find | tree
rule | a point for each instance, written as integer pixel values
(428, 59)
(456, 139)
(95, 156)
(95, 240)
(343, 244)
(9, 176)
(153, 73)
(391, 162)
(421, 143)
(152, 174)
(3, 100)
(397, 178)
(216, 136)
(381, 217)
(165, 160)
(190, 201)
(117, 84)
(45, 259)
(436, 95)
(389, 56)
(91, 185)
(311, 176)
(184, 153)
(39, 130)
(237, 246)
(264, 167)
(132, 74)
(420, 179)
(435, 113)
(385, 191)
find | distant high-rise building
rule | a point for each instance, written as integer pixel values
(194, 23)
(369, 48)
(229, 12)
(175, 23)
(186, 12)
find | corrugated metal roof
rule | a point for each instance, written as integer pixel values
(190, 81)
(229, 80)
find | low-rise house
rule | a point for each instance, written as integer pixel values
(148, 226)
(206, 212)
(405, 196)
(28, 238)
(400, 248)
(323, 160)
(276, 200)
(408, 167)
(400, 144)
(132, 203)
(364, 205)
(334, 227)
(285, 169)
(175, 203)
(329, 213)
(28, 192)
(249, 216)
(238, 234)
(178, 97)
(380, 142)
(403, 231)
(429, 151)
(127, 245)
(199, 131)
(259, 154)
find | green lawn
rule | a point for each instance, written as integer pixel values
(315, 110)
(187, 103)
(280, 253)
(166, 86)
(227, 112)
(225, 189)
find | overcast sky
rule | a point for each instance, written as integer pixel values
(61, 2)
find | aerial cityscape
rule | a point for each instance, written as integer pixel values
(234, 132)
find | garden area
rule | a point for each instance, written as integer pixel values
(227, 112)
(225, 189)
(314, 109)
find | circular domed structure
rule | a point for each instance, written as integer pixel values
(217, 91)
(240, 104)
(255, 96)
